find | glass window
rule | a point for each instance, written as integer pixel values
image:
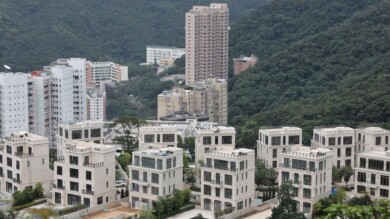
(373, 178)
(95, 133)
(207, 190)
(375, 164)
(275, 141)
(332, 141)
(294, 139)
(362, 162)
(299, 164)
(307, 180)
(168, 137)
(155, 190)
(74, 186)
(347, 140)
(73, 160)
(384, 180)
(384, 193)
(378, 141)
(148, 162)
(206, 140)
(149, 138)
(348, 152)
(285, 176)
(306, 193)
(207, 176)
(88, 175)
(274, 153)
(228, 193)
(135, 175)
(227, 140)
(361, 177)
(77, 134)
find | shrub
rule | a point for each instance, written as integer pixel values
(29, 204)
(69, 210)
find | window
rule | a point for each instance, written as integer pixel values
(95, 133)
(387, 140)
(174, 162)
(217, 192)
(384, 180)
(362, 162)
(298, 164)
(145, 189)
(275, 141)
(323, 140)
(338, 164)
(228, 179)
(9, 174)
(306, 207)
(1, 158)
(285, 176)
(228, 193)
(158, 138)
(378, 141)
(240, 205)
(155, 190)
(88, 175)
(66, 134)
(338, 152)
(295, 192)
(135, 174)
(361, 177)
(339, 141)
(242, 165)
(207, 190)
(216, 140)
(207, 176)
(9, 149)
(294, 139)
(384, 193)
(17, 165)
(306, 193)
(274, 153)
(86, 133)
(348, 152)
(348, 163)
(296, 178)
(155, 178)
(316, 137)
(43, 161)
(375, 164)
(206, 140)
(169, 163)
(332, 141)
(9, 162)
(320, 166)
(100, 200)
(149, 138)
(74, 173)
(168, 137)
(373, 177)
(159, 164)
(73, 160)
(77, 134)
(372, 191)
(307, 180)
(57, 198)
(266, 140)
(347, 140)
(226, 139)
(223, 164)
(106, 170)
(74, 186)
(148, 162)
(274, 164)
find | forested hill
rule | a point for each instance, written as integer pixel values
(34, 33)
(321, 63)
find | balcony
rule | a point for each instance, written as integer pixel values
(58, 187)
(299, 169)
(22, 155)
(93, 165)
(88, 192)
(17, 181)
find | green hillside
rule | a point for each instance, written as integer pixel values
(321, 63)
(34, 33)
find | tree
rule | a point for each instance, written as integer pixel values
(127, 123)
(178, 199)
(264, 175)
(287, 208)
(38, 191)
(124, 160)
(271, 175)
(191, 176)
(336, 174)
(185, 161)
(340, 195)
(347, 173)
(180, 143)
(147, 214)
(189, 143)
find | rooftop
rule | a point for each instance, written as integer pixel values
(24, 136)
(231, 153)
(374, 130)
(163, 152)
(82, 147)
(334, 130)
(280, 130)
(160, 47)
(375, 152)
(213, 127)
(183, 116)
(88, 123)
(307, 152)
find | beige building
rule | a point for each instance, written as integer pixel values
(208, 97)
(24, 162)
(371, 136)
(372, 172)
(273, 141)
(310, 171)
(164, 135)
(243, 63)
(228, 179)
(97, 72)
(154, 173)
(84, 174)
(210, 137)
(341, 140)
(207, 31)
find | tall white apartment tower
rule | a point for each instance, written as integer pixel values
(207, 30)
(273, 141)
(339, 139)
(61, 97)
(14, 103)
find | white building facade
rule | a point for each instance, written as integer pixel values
(158, 53)
(154, 173)
(273, 141)
(164, 135)
(84, 174)
(310, 171)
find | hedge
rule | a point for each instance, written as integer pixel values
(20, 207)
(186, 208)
(69, 210)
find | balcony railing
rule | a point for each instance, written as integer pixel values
(93, 165)
(88, 192)
(22, 155)
(303, 169)
(58, 187)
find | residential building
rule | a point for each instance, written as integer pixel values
(273, 141)
(208, 97)
(102, 71)
(14, 103)
(84, 173)
(154, 173)
(207, 31)
(243, 63)
(24, 162)
(372, 172)
(341, 140)
(96, 105)
(210, 137)
(228, 179)
(371, 136)
(310, 171)
(164, 135)
(88, 131)
(156, 54)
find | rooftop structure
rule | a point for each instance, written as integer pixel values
(243, 63)
(165, 135)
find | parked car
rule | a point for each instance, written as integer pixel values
(120, 183)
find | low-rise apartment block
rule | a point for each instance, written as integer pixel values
(372, 172)
(310, 171)
(157, 54)
(212, 137)
(84, 174)
(228, 179)
(165, 135)
(341, 140)
(24, 162)
(273, 141)
(154, 173)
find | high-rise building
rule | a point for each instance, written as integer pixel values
(207, 31)
(96, 105)
(14, 103)
(207, 97)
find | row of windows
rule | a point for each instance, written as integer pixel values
(281, 140)
(166, 138)
(224, 140)
(347, 140)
